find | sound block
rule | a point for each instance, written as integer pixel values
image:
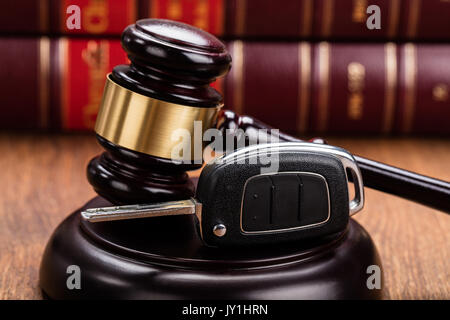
(163, 258)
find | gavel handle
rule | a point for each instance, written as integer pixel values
(428, 191)
(425, 190)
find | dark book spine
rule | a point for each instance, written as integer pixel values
(102, 17)
(337, 19)
(354, 88)
(424, 89)
(341, 88)
(300, 19)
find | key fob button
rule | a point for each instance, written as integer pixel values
(283, 201)
(256, 204)
(286, 200)
(314, 199)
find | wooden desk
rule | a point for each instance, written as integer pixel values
(43, 180)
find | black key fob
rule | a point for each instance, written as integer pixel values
(272, 193)
(264, 194)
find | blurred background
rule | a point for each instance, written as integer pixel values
(308, 67)
(300, 65)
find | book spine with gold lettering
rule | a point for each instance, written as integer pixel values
(354, 87)
(45, 17)
(423, 89)
(54, 83)
(341, 87)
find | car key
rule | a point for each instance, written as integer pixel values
(244, 199)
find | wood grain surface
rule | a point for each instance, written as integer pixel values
(43, 180)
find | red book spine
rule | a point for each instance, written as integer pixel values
(208, 15)
(84, 65)
(54, 83)
(99, 16)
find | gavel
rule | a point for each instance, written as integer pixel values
(166, 87)
(289, 236)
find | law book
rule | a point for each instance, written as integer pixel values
(45, 17)
(368, 88)
(300, 87)
(233, 19)
(54, 83)
(400, 19)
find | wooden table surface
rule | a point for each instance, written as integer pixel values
(43, 180)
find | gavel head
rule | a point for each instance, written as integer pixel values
(165, 89)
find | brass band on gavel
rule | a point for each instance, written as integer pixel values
(145, 124)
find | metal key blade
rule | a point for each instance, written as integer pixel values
(136, 211)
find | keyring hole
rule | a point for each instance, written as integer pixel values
(350, 186)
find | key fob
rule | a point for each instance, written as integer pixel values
(263, 194)
(279, 192)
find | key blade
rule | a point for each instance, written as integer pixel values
(135, 211)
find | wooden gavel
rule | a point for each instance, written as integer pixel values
(167, 87)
